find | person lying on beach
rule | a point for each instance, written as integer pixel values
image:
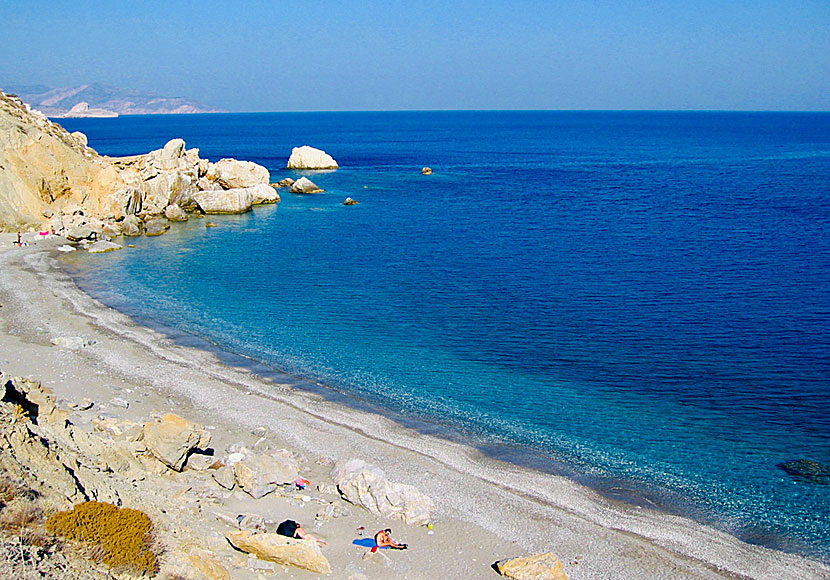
(292, 529)
(384, 540)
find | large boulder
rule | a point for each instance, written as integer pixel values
(237, 200)
(264, 194)
(103, 246)
(170, 439)
(538, 567)
(259, 475)
(304, 185)
(283, 550)
(366, 485)
(808, 471)
(174, 213)
(306, 157)
(230, 173)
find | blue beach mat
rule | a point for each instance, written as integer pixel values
(367, 543)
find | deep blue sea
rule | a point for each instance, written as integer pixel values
(640, 300)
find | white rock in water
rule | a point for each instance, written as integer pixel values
(230, 173)
(264, 194)
(304, 185)
(237, 200)
(306, 157)
(65, 248)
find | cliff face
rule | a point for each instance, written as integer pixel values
(44, 169)
(51, 179)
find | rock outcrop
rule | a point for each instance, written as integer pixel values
(306, 157)
(366, 485)
(52, 179)
(538, 567)
(303, 554)
(170, 439)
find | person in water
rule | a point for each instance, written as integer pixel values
(384, 540)
(292, 529)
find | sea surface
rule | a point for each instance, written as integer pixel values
(639, 300)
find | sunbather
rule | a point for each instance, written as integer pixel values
(292, 529)
(384, 540)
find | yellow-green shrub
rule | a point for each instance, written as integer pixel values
(123, 536)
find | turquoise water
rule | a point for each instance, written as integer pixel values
(639, 300)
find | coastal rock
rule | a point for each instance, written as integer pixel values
(171, 438)
(264, 194)
(131, 226)
(366, 485)
(237, 200)
(224, 477)
(233, 174)
(80, 138)
(295, 552)
(304, 185)
(156, 227)
(349, 201)
(171, 153)
(306, 157)
(174, 213)
(80, 232)
(538, 567)
(427, 170)
(209, 566)
(287, 182)
(102, 246)
(259, 475)
(808, 471)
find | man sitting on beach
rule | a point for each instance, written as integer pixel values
(384, 540)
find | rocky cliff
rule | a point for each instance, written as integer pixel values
(51, 179)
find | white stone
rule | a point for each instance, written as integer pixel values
(305, 185)
(237, 200)
(306, 157)
(230, 173)
(102, 246)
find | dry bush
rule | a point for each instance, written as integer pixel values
(121, 538)
(20, 516)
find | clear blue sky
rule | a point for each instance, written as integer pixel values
(284, 55)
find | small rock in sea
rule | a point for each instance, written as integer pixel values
(103, 246)
(349, 201)
(427, 170)
(287, 182)
(118, 402)
(304, 185)
(210, 225)
(808, 471)
(306, 157)
(66, 248)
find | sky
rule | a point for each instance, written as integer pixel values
(285, 55)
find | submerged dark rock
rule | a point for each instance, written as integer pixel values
(807, 471)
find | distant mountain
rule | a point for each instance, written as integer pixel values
(101, 101)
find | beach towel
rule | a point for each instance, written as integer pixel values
(368, 543)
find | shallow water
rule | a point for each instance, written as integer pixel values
(641, 298)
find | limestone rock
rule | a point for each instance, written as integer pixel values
(102, 246)
(208, 565)
(80, 232)
(306, 157)
(233, 174)
(131, 226)
(237, 200)
(171, 438)
(224, 477)
(304, 185)
(349, 201)
(287, 182)
(80, 138)
(264, 194)
(259, 475)
(427, 170)
(538, 567)
(305, 554)
(156, 227)
(174, 213)
(366, 485)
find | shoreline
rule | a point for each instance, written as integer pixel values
(527, 510)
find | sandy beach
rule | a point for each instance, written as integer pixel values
(485, 510)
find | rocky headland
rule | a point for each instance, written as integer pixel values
(53, 181)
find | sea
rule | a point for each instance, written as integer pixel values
(637, 300)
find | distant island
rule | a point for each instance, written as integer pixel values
(94, 100)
